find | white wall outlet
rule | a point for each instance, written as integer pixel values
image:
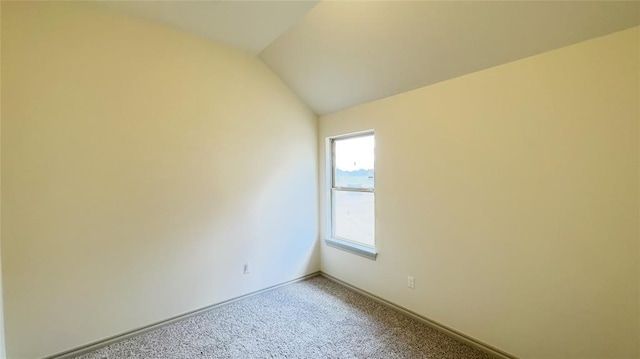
(246, 268)
(411, 282)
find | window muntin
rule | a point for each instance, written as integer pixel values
(352, 189)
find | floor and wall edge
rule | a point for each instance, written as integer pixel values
(491, 350)
(147, 328)
(461, 337)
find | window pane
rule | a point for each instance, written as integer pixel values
(354, 167)
(353, 216)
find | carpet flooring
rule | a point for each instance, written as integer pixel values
(315, 318)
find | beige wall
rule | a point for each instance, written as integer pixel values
(511, 195)
(2, 342)
(141, 168)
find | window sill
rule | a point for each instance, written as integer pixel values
(350, 247)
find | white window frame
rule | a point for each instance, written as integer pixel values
(342, 243)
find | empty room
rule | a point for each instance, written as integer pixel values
(320, 179)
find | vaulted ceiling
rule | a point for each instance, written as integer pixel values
(338, 54)
(247, 25)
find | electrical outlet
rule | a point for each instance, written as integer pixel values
(411, 282)
(246, 268)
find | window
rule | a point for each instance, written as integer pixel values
(352, 193)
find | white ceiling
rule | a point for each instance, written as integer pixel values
(343, 54)
(338, 54)
(247, 25)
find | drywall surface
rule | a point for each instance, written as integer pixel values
(511, 195)
(141, 168)
(3, 353)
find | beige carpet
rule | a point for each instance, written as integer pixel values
(316, 318)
